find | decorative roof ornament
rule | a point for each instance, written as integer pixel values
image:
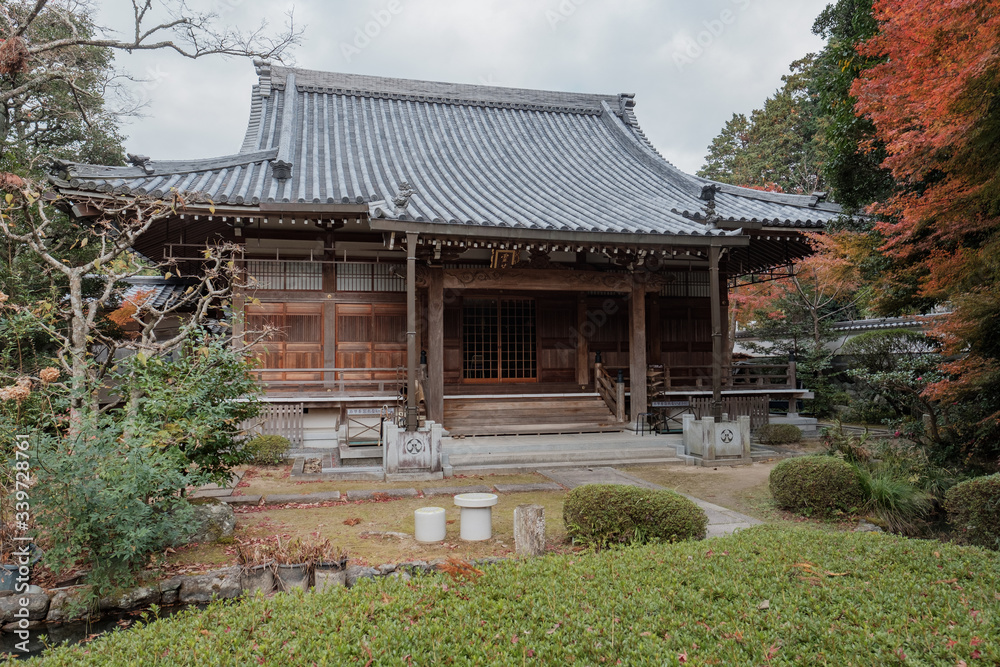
(818, 198)
(141, 161)
(380, 208)
(708, 196)
(263, 69)
(402, 198)
(281, 170)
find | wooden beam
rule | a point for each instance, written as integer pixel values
(412, 415)
(546, 280)
(582, 347)
(434, 391)
(637, 349)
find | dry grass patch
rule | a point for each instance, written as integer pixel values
(370, 541)
(272, 480)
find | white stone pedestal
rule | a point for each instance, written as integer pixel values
(429, 524)
(477, 515)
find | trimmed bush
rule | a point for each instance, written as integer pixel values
(816, 485)
(605, 514)
(268, 450)
(974, 509)
(778, 434)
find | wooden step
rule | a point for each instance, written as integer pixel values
(536, 429)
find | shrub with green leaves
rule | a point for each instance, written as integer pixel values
(768, 595)
(974, 510)
(606, 514)
(778, 434)
(816, 485)
(108, 502)
(267, 450)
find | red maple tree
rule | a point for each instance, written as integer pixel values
(933, 100)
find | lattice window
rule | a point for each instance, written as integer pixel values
(370, 277)
(687, 284)
(498, 339)
(269, 274)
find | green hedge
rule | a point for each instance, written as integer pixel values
(833, 598)
(268, 450)
(604, 514)
(819, 485)
(974, 510)
(778, 434)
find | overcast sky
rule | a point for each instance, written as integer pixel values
(691, 64)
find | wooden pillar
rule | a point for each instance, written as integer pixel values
(412, 355)
(655, 332)
(582, 344)
(637, 347)
(434, 391)
(715, 294)
(329, 308)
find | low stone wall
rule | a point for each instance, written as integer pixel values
(56, 605)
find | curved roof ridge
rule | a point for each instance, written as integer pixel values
(640, 147)
(434, 91)
(82, 170)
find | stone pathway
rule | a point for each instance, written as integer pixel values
(721, 521)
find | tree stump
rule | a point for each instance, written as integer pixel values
(529, 530)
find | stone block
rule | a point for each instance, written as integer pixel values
(304, 498)
(215, 520)
(528, 488)
(143, 596)
(355, 573)
(38, 607)
(455, 490)
(370, 494)
(201, 588)
(253, 501)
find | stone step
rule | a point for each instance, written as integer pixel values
(508, 468)
(511, 445)
(581, 457)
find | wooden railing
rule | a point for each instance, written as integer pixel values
(748, 377)
(342, 380)
(611, 390)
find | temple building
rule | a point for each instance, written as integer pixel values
(507, 261)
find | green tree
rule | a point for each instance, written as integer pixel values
(777, 147)
(852, 154)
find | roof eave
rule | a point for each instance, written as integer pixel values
(558, 235)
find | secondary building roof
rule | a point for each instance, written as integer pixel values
(455, 154)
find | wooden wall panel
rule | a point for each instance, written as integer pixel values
(557, 339)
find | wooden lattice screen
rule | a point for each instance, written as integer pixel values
(284, 419)
(736, 406)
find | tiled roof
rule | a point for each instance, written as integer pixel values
(473, 155)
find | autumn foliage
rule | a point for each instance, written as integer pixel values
(932, 99)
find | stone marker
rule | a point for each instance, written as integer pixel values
(529, 530)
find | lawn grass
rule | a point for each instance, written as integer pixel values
(774, 595)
